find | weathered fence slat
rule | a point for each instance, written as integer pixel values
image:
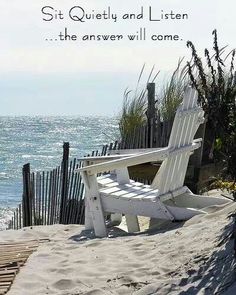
(64, 189)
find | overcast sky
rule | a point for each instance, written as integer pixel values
(84, 78)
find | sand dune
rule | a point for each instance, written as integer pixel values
(191, 258)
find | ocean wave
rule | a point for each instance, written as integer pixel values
(38, 156)
(4, 175)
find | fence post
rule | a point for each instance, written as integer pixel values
(26, 197)
(151, 113)
(64, 186)
(196, 158)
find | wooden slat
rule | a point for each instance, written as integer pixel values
(13, 256)
(128, 191)
(6, 278)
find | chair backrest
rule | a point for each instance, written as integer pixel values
(188, 117)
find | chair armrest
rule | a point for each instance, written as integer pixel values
(126, 162)
(104, 158)
(158, 155)
(133, 151)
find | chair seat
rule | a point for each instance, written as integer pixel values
(108, 180)
(138, 198)
(134, 191)
(130, 192)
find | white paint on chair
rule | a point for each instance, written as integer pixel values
(166, 198)
(95, 206)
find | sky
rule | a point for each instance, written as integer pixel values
(43, 77)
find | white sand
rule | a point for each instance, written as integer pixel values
(191, 258)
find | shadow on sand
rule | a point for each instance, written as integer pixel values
(217, 272)
(116, 232)
(209, 274)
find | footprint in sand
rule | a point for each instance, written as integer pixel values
(94, 292)
(93, 244)
(64, 284)
(65, 271)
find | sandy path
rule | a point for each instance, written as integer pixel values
(188, 259)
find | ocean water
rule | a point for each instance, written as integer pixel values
(39, 141)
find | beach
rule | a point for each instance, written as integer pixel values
(195, 257)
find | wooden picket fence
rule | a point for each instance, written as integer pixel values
(150, 135)
(52, 197)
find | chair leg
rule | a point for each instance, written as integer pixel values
(132, 223)
(95, 205)
(116, 219)
(97, 215)
(88, 218)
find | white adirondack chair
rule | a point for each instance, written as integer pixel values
(167, 197)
